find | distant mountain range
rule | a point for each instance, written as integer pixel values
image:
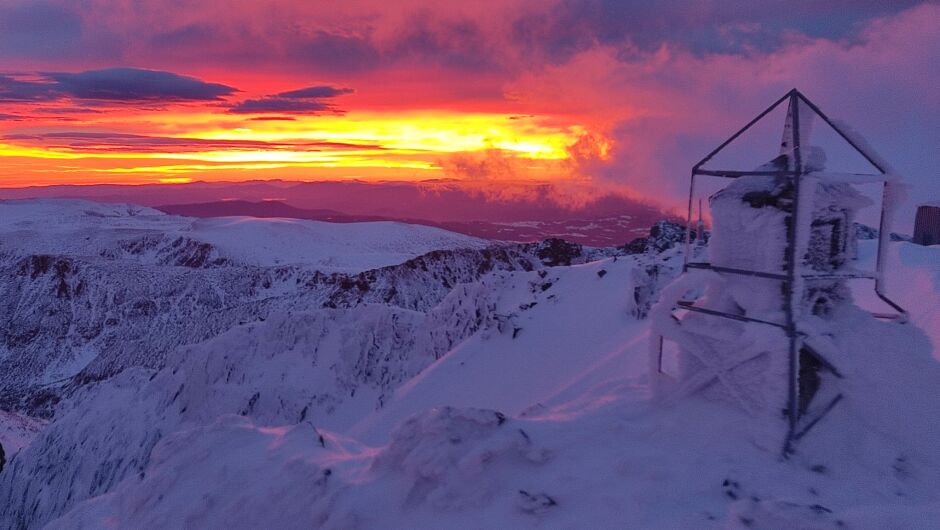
(595, 231)
(529, 212)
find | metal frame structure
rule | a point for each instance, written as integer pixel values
(796, 429)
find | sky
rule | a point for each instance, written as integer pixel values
(585, 94)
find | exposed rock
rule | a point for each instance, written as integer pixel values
(664, 235)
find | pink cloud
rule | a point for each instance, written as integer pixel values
(666, 109)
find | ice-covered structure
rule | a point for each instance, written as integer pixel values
(753, 325)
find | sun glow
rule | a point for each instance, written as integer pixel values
(175, 180)
(414, 144)
(414, 133)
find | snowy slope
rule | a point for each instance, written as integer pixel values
(72, 321)
(89, 289)
(17, 431)
(912, 280)
(83, 228)
(558, 348)
(66, 321)
(918, 288)
(564, 436)
(331, 368)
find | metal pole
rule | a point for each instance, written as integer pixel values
(743, 129)
(790, 300)
(861, 151)
(688, 227)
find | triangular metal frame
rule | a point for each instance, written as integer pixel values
(796, 170)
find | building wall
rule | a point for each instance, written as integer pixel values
(927, 225)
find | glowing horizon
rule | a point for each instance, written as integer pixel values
(408, 144)
(505, 90)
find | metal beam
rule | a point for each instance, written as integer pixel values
(688, 225)
(735, 174)
(730, 270)
(743, 130)
(839, 131)
(740, 318)
(820, 416)
(793, 386)
(857, 275)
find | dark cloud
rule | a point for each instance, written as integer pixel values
(275, 105)
(12, 89)
(39, 29)
(307, 100)
(349, 48)
(706, 27)
(187, 36)
(334, 52)
(112, 84)
(80, 141)
(423, 37)
(10, 117)
(67, 110)
(315, 92)
(367, 36)
(460, 44)
(135, 84)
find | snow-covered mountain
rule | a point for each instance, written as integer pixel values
(90, 289)
(112, 231)
(87, 290)
(489, 386)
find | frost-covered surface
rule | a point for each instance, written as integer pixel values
(87, 290)
(865, 232)
(17, 431)
(913, 281)
(563, 437)
(517, 398)
(331, 367)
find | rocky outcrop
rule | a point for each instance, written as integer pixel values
(664, 235)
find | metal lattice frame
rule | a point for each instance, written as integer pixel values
(790, 275)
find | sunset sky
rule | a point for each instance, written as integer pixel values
(623, 95)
